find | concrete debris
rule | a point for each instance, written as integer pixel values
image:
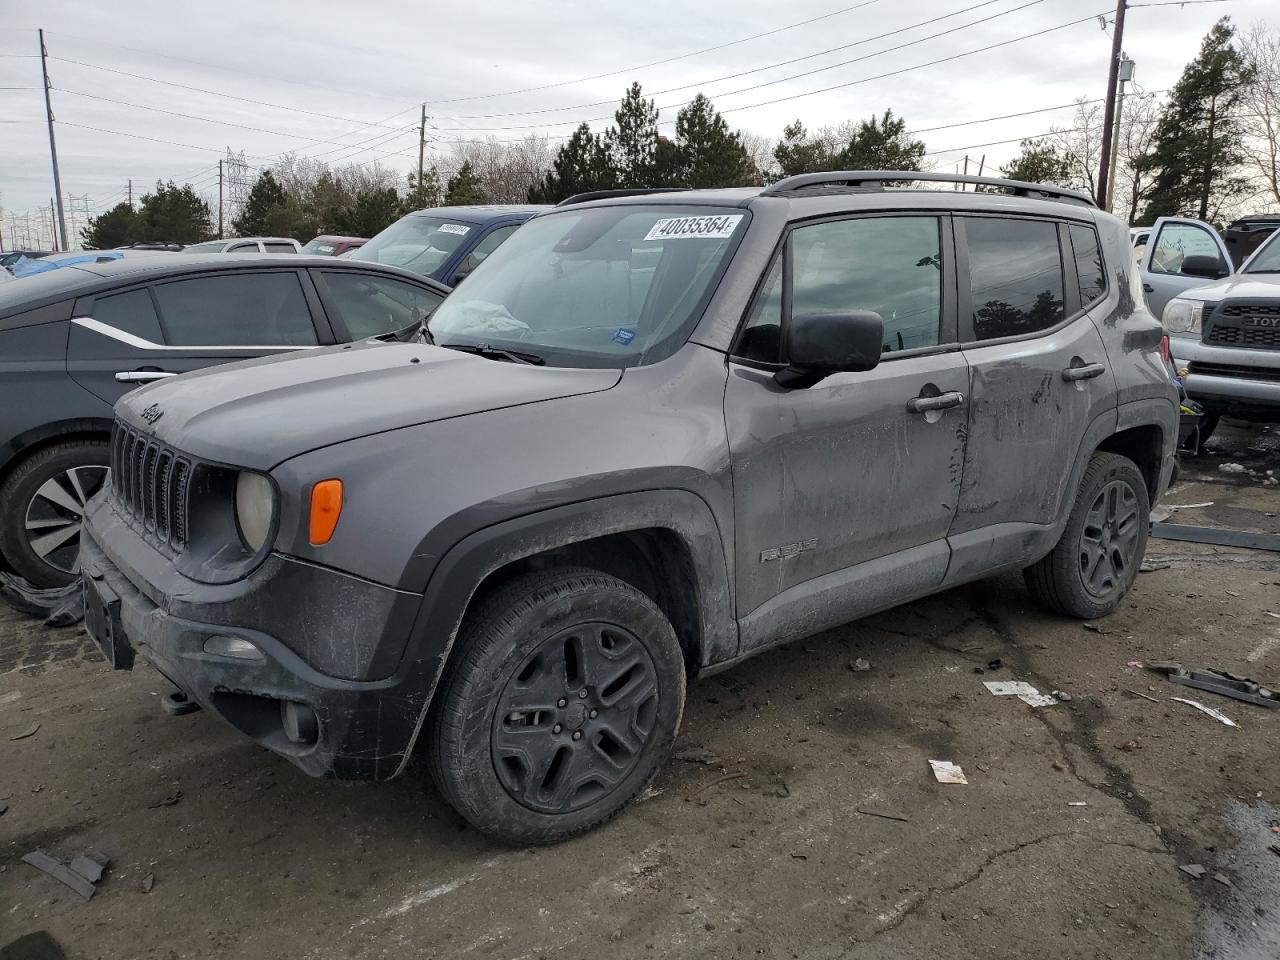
(1151, 566)
(1222, 879)
(1020, 689)
(944, 771)
(1193, 870)
(148, 882)
(1208, 711)
(1231, 468)
(860, 665)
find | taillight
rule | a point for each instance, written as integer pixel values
(1165, 354)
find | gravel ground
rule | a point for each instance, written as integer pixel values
(765, 839)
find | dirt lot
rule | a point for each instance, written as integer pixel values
(251, 859)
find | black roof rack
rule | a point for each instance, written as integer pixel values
(876, 179)
(607, 194)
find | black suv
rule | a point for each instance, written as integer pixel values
(74, 340)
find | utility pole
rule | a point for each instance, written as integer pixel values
(53, 221)
(219, 199)
(1126, 74)
(1109, 113)
(131, 193)
(422, 143)
(53, 147)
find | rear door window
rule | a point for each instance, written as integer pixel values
(131, 312)
(1089, 267)
(1015, 276)
(236, 309)
(280, 248)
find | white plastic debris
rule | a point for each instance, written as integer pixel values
(1020, 689)
(1077, 803)
(1231, 468)
(944, 771)
(1216, 714)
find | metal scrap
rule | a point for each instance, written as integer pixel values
(1219, 682)
(80, 875)
(1218, 536)
(1209, 711)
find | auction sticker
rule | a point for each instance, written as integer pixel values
(685, 228)
(461, 229)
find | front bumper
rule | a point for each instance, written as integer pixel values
(1234, 380)
(364, 728)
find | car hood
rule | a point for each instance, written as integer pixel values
(1243, 285)
(261, 412)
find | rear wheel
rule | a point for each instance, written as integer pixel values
(43, 503)
(1097, 558)
(560, 705)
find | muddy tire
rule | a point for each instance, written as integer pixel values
(1097, 558)
(559, 706)
(41, 508)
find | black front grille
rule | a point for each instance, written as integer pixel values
(1250, 310)
(1238, 372)
(150, 485)
(1246, 336)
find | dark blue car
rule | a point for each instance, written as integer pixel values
(445, 243)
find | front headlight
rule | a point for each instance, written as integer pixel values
(255, 509)
(1183, 316)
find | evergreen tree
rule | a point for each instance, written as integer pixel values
(175, 214)
(424, 195)
(1199, 142)
(463, 187)
(633, 142)
(712, 155)
(257, 212)
(115, 228)
(798, 153)
(881, 143)
(1040, 162)
(582, 164)
(370, 211)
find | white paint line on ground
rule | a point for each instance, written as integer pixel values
(426, 896)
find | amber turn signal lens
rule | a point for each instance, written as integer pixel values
(326, 508)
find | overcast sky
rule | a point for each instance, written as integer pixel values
(344, 80)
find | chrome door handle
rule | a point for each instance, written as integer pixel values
(944, 401)
(142, 376)
(1085, 372)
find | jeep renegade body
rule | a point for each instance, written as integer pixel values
(653, 435)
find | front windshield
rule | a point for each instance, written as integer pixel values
(1267, 257)
(321, 248)
(598, 287)
(417, 243)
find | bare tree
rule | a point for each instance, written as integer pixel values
(760, 149)
(1260, 47)
(506, 170)
(1081, 145)
(1138, 123)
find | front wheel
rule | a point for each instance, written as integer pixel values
(560, 704)
(1097, 558)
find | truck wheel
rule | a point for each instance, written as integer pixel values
(41, 508)
(1097, 559)
(560, 704)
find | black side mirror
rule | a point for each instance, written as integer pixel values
(1200, 265)
(820, 344)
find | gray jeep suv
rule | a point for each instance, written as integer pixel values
(651, 435)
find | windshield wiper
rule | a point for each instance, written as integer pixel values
(495, 353)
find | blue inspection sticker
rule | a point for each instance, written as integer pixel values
(624, 337)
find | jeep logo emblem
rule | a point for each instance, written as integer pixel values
(152, 413)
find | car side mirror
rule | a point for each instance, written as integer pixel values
(1201, 265)
(820, 344)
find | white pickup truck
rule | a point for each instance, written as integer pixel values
(1223, 325)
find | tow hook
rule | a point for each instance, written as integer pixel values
(178, 704)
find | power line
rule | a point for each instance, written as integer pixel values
(780, 63)
(219, 93)
(658, 63)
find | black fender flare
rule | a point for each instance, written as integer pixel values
(468, 563)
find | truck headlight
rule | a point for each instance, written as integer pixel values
(255, 509)
(1183, 316)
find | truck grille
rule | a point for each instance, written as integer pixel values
(150, 484)
(1231, 327)
(1237, 372)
